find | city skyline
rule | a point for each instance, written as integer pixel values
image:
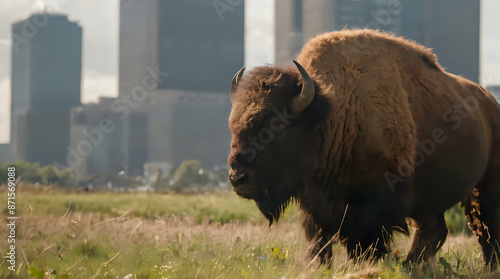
(162, 54)
(100, 61)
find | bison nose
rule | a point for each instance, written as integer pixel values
(234, 165)
(237, 178)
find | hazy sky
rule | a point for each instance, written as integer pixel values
(99, 19)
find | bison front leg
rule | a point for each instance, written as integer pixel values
(429, 237)
(322, 237)
(322, 249)
(368, 246)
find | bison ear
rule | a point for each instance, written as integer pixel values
(304, 99)
(236, 80)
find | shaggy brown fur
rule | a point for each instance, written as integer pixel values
(388, 135)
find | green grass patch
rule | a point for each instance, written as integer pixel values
(221, 207)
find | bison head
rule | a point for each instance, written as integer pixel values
(273, 147)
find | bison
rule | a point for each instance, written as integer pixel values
(366, 131)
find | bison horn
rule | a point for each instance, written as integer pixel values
(236, 80)
(304, 99)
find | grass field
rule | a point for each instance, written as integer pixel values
(63, 234)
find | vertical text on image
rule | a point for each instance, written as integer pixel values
(11, 209)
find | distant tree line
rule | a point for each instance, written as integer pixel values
(33, 173)
(191, 177)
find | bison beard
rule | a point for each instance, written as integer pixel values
(362, 111)
(272, 205)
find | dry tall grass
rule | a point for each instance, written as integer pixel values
(86, 244)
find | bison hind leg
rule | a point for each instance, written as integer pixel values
(483, 211)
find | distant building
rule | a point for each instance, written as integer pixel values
(296, 22)
(495, 91)
(185, 39)
(46, 79)
(97, 139)
(189, 125)
(288, 30)
(5, 153)
(170, 127)
(177, 47)
(450, 27)
(136, 136)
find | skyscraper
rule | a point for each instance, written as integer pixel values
(495, 91)
(187, 39)
(46, 79)
(288, 30)
(181, 49)
(450, 27)
(297, 21)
